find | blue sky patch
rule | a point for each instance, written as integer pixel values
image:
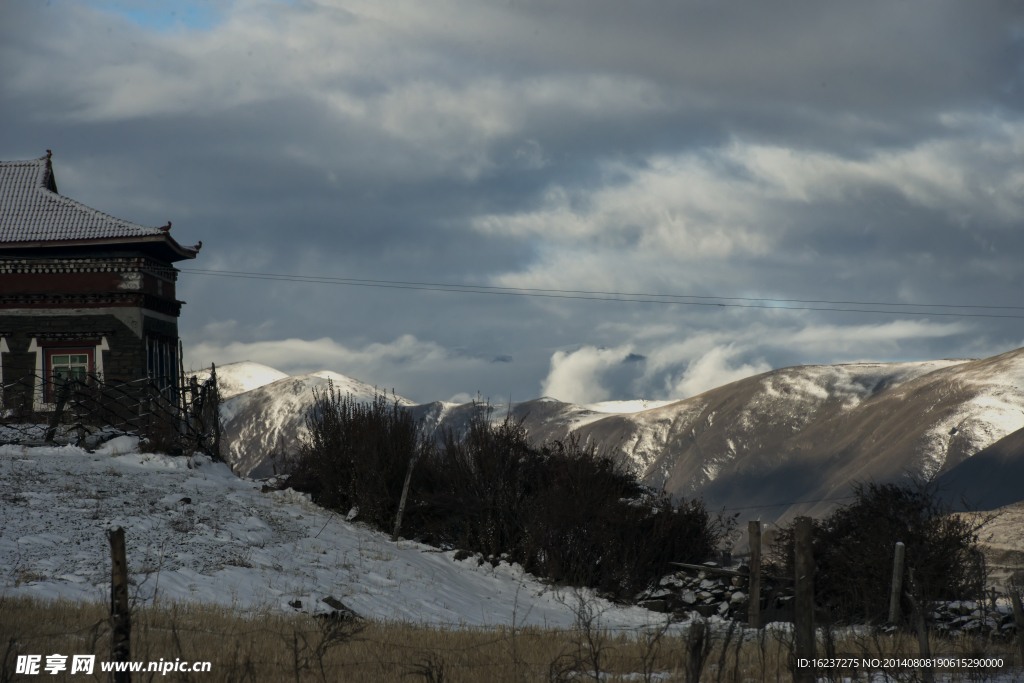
(164, 16)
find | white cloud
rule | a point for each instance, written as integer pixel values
(713, 369)
(742, 199)
(870, 338)
(371, 363)
(706, 360)
(576, 377)
(972, 169)
(681, 206)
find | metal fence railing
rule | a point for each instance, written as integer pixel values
(87, 410)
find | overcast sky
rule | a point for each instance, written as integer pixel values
(842, 151)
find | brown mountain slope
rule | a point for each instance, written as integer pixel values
(990, 479)
(806, 433)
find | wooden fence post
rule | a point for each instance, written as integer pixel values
(754, 597)
(405, 494)
(1018, 619)
(803, 630)
(120, 643)
(896, 594)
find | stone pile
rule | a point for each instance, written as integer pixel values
(709, 593)
(974, 618)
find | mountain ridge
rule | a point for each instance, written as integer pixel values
(763, 444)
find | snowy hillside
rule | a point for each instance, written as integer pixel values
(618, 407)
(237, 378)
(268, 420)
(795, 434)
(807, 433)
(200, 533)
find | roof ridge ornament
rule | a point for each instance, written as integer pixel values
(49, 182)
(166, 228)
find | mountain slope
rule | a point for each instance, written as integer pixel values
(237, 378)
(760, 444)
(807, 433)
(991, 479)
(269, 420)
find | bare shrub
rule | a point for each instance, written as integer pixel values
(561, 510)
(853, 551)
(432, 668)
(649, 643)
(355, 454)
(591, 646)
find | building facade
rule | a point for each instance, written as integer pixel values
(82, 294)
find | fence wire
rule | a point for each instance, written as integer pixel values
(87, 411)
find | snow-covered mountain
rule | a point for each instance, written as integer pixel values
(760, 445)
(237, 378)
(268, 419)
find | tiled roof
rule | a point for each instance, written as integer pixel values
(32, 211)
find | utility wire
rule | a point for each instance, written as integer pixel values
(795, 502)
(317, 278)
(614, 296)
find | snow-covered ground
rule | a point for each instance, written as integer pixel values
(196, 532)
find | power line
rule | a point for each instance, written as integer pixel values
(663, 299)
(317, 278)
(795, 502)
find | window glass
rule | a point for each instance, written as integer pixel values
(67, 366)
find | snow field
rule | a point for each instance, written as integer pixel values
(196, 532)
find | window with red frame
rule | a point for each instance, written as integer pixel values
(63, 364)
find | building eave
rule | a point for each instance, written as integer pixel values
(162, 242)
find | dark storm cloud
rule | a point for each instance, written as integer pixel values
(853, 151)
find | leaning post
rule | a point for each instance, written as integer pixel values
(405, 495)
(754, 598)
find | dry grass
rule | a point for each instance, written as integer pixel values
(268, 646)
